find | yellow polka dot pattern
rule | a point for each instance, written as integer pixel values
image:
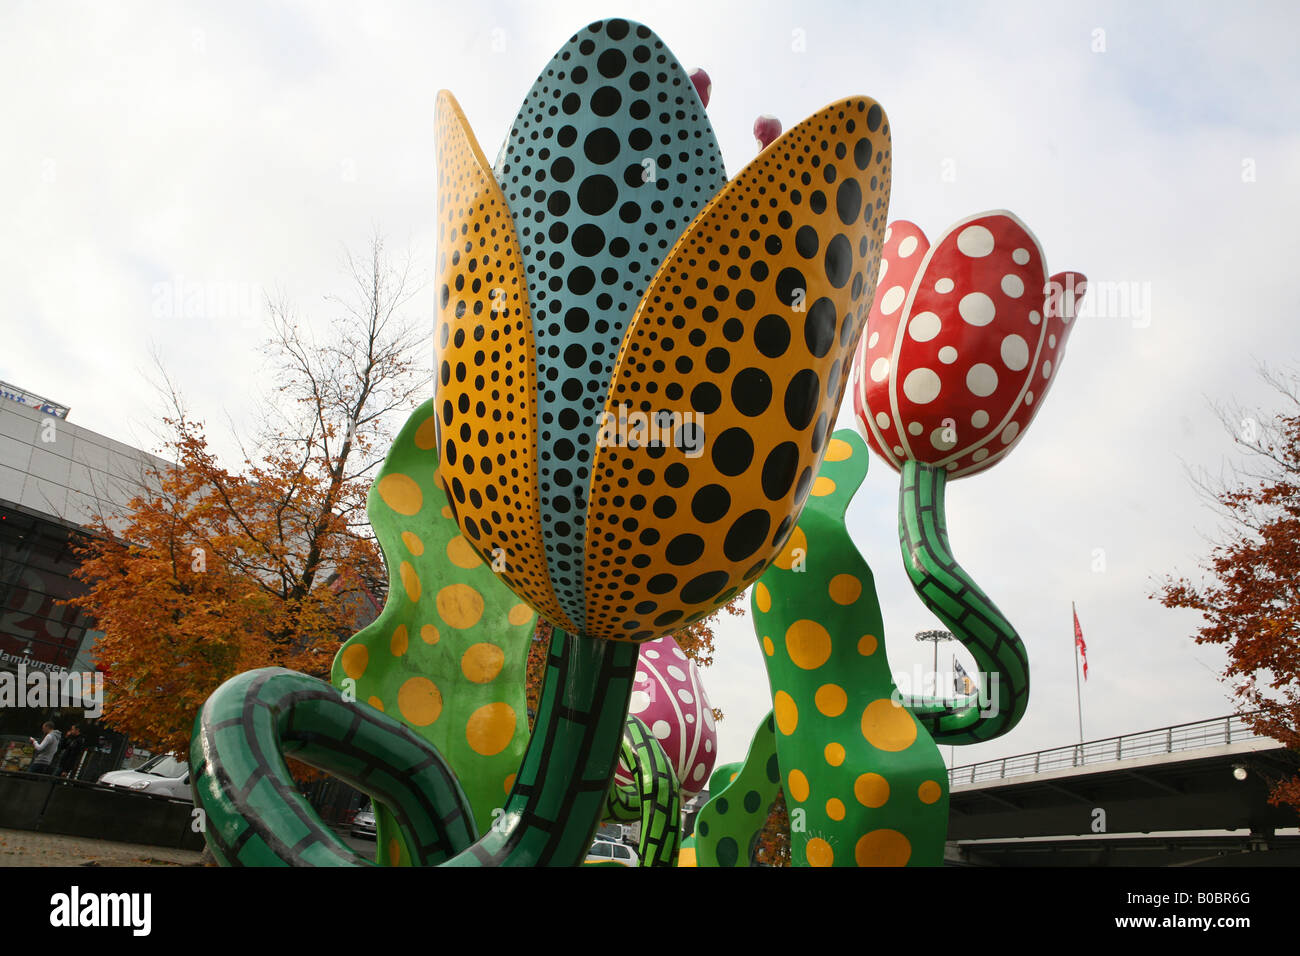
(832, 692)
(883, 847)
(888, 726)
(799, 788)
(420, 701)
(808, 644)
(426, 436)
(787, 714)
(480, 275)
(460, 685)
(845, 589)
(482, 662)
(831, 699)
(410, 581)
(490, 728)
(819, 852)
(354, 660)
(871, 790)
(461, 554)
(794, 552)
(460, 605)
(838, 450)
(401, 493)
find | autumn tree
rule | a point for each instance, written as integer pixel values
(773, 845)
(1251, 601)
(220, 570)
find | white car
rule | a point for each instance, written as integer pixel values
(607, 851)
(164, 775)
(363, 824)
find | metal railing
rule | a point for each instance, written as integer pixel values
(1166, 740)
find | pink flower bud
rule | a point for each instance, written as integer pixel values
(766, 128)
(703, 85)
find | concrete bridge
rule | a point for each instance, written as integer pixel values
(1187, 795)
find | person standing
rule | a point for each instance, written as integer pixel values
(43, 762)
(74, 745)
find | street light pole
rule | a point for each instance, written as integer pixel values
(935, 637)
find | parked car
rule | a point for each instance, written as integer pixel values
(164, 775)
(363, 824)
(609, 852)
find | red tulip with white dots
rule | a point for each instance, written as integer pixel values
(962, 342)
(669, 699)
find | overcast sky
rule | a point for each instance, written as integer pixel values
(1154, 147)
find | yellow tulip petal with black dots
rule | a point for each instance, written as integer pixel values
(486, 394)
(740, 348)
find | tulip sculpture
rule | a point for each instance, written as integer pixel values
(964, 339)
(638, 366)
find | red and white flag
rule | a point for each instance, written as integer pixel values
(1079, 645)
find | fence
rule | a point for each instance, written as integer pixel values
(1166, 740)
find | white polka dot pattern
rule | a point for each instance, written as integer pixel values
(669, 699)
(959, 334)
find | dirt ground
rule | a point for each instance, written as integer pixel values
(29, 848)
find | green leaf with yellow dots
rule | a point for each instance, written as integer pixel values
(446, 656)
(865, 784)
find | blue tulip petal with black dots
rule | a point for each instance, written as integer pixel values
(613, 155)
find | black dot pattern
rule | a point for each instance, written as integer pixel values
(485, 404)
(610, 158)
(757, 312)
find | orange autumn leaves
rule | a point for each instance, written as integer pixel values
(1250, 602)
(219, 573)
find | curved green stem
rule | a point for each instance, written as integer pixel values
(948, 591)
(653, 798)
(252, 811)
(256, 817)
(552, 813)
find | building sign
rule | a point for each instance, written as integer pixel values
(23, 397)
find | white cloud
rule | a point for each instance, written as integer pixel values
(242, 146)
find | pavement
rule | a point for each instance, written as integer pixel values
(30, 848)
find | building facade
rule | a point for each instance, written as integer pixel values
(55, 476)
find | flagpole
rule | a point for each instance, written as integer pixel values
(1078, 698)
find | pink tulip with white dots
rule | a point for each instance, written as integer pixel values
(669, 699)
